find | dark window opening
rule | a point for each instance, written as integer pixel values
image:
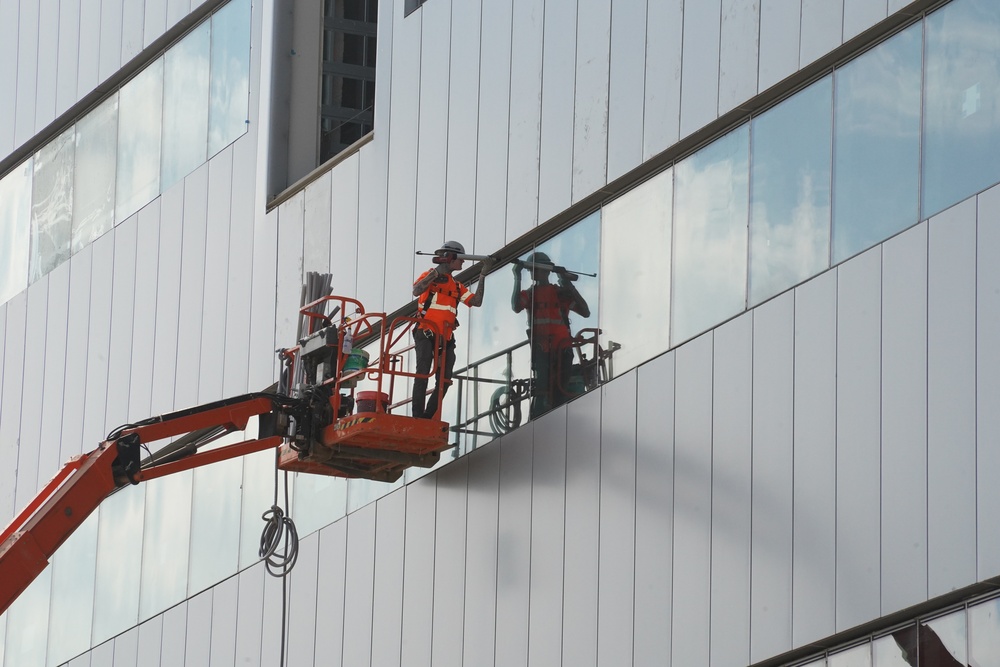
(411, 5)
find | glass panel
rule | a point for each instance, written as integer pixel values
(185, 106)
(15, 210)
(961, 110)
(230, 82)
(877, 136)
(859, 656)
(635, 273)
(94, 175)
(258, 496)
(790, 191)
(73, 570)
(165, 543)
(984, 633)
(710, 235)
(215, 521)
(943, 641)
(119, 559)
(319, 501)
(27, 624)
(51, 206)
(898, 649)
(139, 115)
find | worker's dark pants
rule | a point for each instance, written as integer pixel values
(423, 342)
(552, 370)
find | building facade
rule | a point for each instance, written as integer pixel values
(770, 441)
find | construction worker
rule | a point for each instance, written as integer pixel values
(548, 308)
(438, 295)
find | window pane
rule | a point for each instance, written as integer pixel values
(51, 206)
(230, 83)
(898, 649)
(710, 235)
(859, 656)
(72, 612)
(790, 191)
(961, 103)
(94, 175)
(15, 209)
(215, 521)
(877, 144)
(185, 106)
(139, 114)
(27, 624)
(165, 542)
(119, 559)
(943, 640)
(984, 633)
(635, 273)
(319, 501)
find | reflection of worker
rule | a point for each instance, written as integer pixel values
(548, 306)
(438, 297)
(921, 640)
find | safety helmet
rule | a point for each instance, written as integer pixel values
(452, 247)
(539, 258)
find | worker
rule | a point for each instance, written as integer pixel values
(548, 308)
(438, 295)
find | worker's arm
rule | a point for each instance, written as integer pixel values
(424, 281)
(579, 304)
(516, 302)
(477, 298)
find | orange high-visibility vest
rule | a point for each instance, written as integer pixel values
(439, 303)
(549, 307)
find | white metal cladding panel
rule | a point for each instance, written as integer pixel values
(88, 72)
(344, 257)
(858, 430)
(31, 395)
(225, 612)
(241, 267)
(951, 399)
(198, 636)
(692, 503)
(896, 5)
(773, 412)
(432, 132)
(250, 617)
(330, 584)
(661, 119)
(627, 87)
(303, 624)
(122, 316)
(168, 313)
(859, 15)
(132, 20)
(779, 41)
(402, 168)
(822, 26)
(525, 117)
(654, 511)
(144, 311)
(99, 341)
(316, 225)
(176, 10)
(700, 64)
(481, 555)
(494, 108)
(616, 580)
(75, 382)
(418, 570)
(583, 488)
(814, 430)
(263, 279)
(111, 38)
(988, 384)
(374, 598)
(730, 448)
(103, 655)
(150, 640)
(514, 549)
(214, 328)
(449, 563)
(174, 638)
(127, 647)
(154, 20)
(56, 330)
(555, 151)
(590, 114)
(270, 636)
(27, 72)
(904, 420)
(48, 59)
(8, 72)
(739, 49)
(371, 223)
(290, 275)
(192, 294)
(463, 128)
(548, 507)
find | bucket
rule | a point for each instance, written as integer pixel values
(366, 401)
(355, 361)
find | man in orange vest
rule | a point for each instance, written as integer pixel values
(548, 309)
(438, 295)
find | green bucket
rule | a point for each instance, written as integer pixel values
(357, 360)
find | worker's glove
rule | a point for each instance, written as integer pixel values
(486, 266)
(517, 267)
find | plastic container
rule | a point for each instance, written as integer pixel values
(366, 401)
(356, 361)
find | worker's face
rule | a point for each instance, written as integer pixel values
(540, 275)
(456, 264)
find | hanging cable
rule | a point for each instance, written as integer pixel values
(277, 526)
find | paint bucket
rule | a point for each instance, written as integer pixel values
(366, 401)
(356, 361)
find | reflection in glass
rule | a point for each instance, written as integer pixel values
(215, 523)
(94, 173)
(894, 650)
(258, 496)
(319, 500)
(230, 78)
(73, 571)
(139, 116)
(943, 641)
(51, 206)
(185, 106)
(27, 626)
(635, 272)
(859, 656)
(165, 543)
(877, 139)
(984, 633)
(15, 207)
(961, 103)
(119, 559)
(790, 192)
(710, 235)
